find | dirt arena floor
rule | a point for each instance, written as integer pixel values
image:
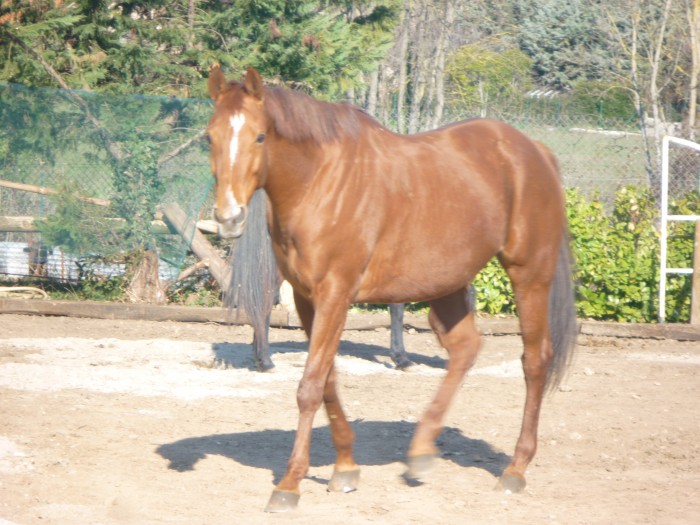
(134, 422)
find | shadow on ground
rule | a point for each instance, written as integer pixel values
(377, 443)
(240, 356)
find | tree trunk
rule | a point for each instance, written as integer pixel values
(403, 68)
(144, 285)
(655, 92)
(371, 104)
(418, 23)
(443, 40)
(693, 15)
(190, 23)
(383, 100)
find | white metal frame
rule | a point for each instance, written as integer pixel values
(665, 218)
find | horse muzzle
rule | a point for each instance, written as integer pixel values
(232, 227)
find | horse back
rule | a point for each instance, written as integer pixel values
(454, 198)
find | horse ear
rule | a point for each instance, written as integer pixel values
(217, 82)
(253, 83)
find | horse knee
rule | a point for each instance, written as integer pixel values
(309, 396)
(536, 363)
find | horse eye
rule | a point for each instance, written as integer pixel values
(207, 137)
(261, 138)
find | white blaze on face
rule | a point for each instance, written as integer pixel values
(237, 121)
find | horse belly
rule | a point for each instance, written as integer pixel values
(410, 269)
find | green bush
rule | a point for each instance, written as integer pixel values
(608, 100)
(617, 259)
(616, 254)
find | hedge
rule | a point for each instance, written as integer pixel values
(617, 259)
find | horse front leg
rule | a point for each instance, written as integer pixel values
(346, 473)
(324, 322)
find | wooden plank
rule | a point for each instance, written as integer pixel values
(281, 318)
(511, 326)
(49, 191)
(27, 224)
(676, 331)
(21, 223)
(145, 312)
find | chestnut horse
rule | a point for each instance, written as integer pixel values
(361, 214)
(254, 283)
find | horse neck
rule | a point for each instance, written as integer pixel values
(291, 168)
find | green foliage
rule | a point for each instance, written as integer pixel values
(605, 99)
(138, 191)
(161, 47)
(494, 294)
(680, 255)
(94, 285)
(485, 72)
(617, 258)
(564, 39)
(320, 49)
(617, 255)
(78, 227)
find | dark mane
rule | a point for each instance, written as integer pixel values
(298, 117)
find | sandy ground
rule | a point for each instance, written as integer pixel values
(123, 422)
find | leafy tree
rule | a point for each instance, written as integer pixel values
(298, 42)
(563, 39)
(481, 74)
(609, 100)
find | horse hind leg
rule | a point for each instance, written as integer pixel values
(532, 298)
(452, 320)
(397, 351)
(261, 345)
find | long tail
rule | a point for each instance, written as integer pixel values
(253, 283)
(562, 316)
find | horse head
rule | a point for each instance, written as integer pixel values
(236, 134)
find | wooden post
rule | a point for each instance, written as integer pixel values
(695, 301)
(218, 267)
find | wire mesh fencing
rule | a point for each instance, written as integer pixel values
(95, 169)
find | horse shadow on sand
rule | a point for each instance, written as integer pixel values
(240, 356)
(377, 443)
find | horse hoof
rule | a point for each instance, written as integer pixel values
(403, 364)
(419, 467)
(510, 483)
(344, 481)
(265, 366)
(282, 501)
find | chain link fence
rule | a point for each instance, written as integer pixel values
(63, 151)
(113, 147)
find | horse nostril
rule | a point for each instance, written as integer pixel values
(230, 214)
(227, 213)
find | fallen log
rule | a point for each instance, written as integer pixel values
(200, 246)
